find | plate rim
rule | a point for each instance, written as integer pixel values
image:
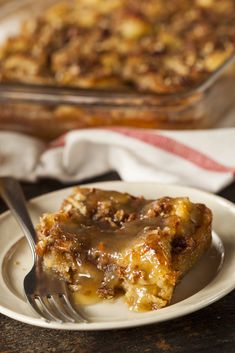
(127, 323)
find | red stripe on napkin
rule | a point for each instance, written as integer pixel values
(170, 145)
(59, 142)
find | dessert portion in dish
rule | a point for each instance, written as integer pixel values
(106, 244)
(139, 63)
(150, 46)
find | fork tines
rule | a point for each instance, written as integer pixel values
(55, 307)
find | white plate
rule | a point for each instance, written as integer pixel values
(212, 278)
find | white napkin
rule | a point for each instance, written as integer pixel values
(204, 158)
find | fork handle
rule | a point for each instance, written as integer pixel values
(13, 196)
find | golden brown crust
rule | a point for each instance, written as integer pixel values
(147, 45)
(102, 242)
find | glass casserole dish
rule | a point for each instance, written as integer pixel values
(47, 110)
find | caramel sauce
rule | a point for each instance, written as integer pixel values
(104, 245)
(90, 279)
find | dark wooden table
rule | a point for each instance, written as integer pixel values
(209, 330)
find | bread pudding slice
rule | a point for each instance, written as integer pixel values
(106, 244)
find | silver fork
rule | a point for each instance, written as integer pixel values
(47, 295)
